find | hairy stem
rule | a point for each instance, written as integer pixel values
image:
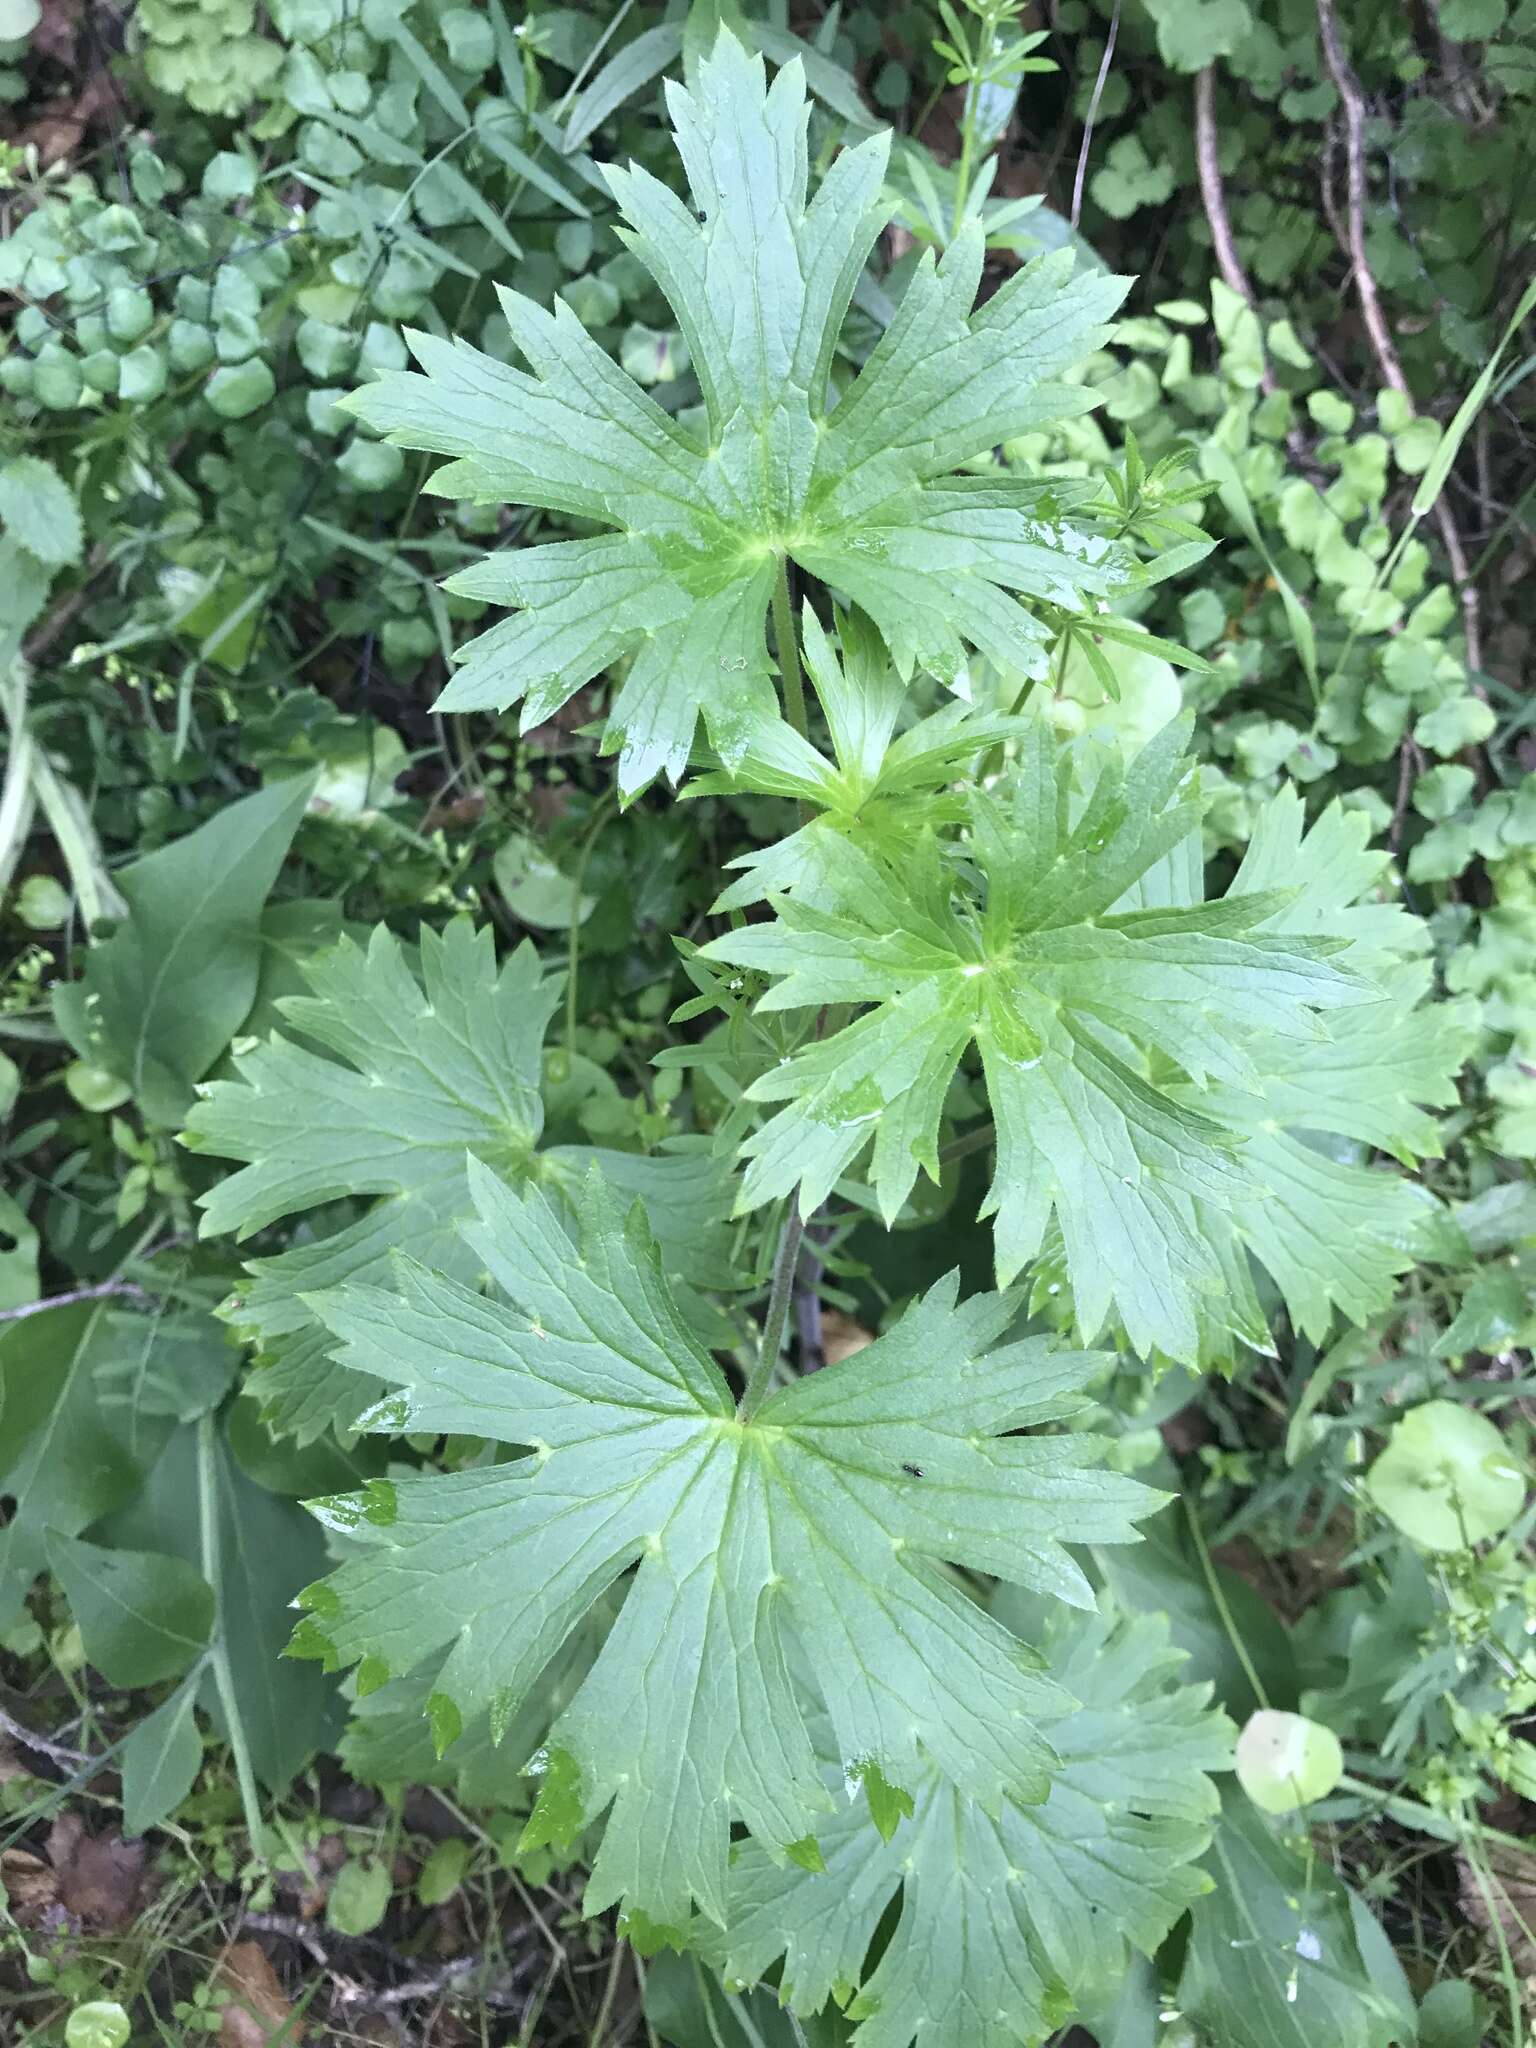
(790, 672)
(975, 1140)
(967, 151)
(779, 1296)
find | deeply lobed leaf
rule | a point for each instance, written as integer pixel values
(819, 1528)
(1149, 1056)
(1006, 1919)
(855, 487)
(423, 1074)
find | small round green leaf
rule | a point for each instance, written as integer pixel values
(1285, 1760)
(443, 1871)
(101, 2024)
(141, 375)
(239, 388)
(1447, 1478)
(359, 1896)
(130, 313)
(95, 1088)
(42, 903)
(535, 891)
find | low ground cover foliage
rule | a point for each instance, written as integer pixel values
(767, 1267)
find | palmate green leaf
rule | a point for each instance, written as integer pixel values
(1123, 1032)
(857, 489)
(1007, 1920)
(820, 1527)
(425, 1073)
(1334, 1232)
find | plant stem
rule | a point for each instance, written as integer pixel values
(1428, 1820)
(790, 672)
(1219, 1601)
(976, 1140)
(785, 1262)
(218, 1651)
(573, 942)
(967, 151)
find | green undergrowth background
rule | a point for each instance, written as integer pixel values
(221, 636)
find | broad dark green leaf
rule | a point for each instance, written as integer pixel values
(1282, 1954)
(62, 1462)
(142, 1616)
(159, 1761)
(264, 1549)
(164, 995)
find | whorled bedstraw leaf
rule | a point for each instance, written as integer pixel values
(1116, 1025)
(819, 1529)
(858, 488)
(1006, 1919)
(418, 1073)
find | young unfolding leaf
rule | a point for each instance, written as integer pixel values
(857, 489)
(877, 787)
(1126, 1029)
(1007, 1919)
(822, 1525)
(426, 1073)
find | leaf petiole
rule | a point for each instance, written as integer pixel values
(788, 642)
(780, 1294)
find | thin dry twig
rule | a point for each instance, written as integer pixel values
(103, 1290)
(29, 1739)
(1093, 114)
(1214, 198)
(1410, 762)
(458, 1975)
(1213, 193)
(1348, 88)
(291, 1928)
